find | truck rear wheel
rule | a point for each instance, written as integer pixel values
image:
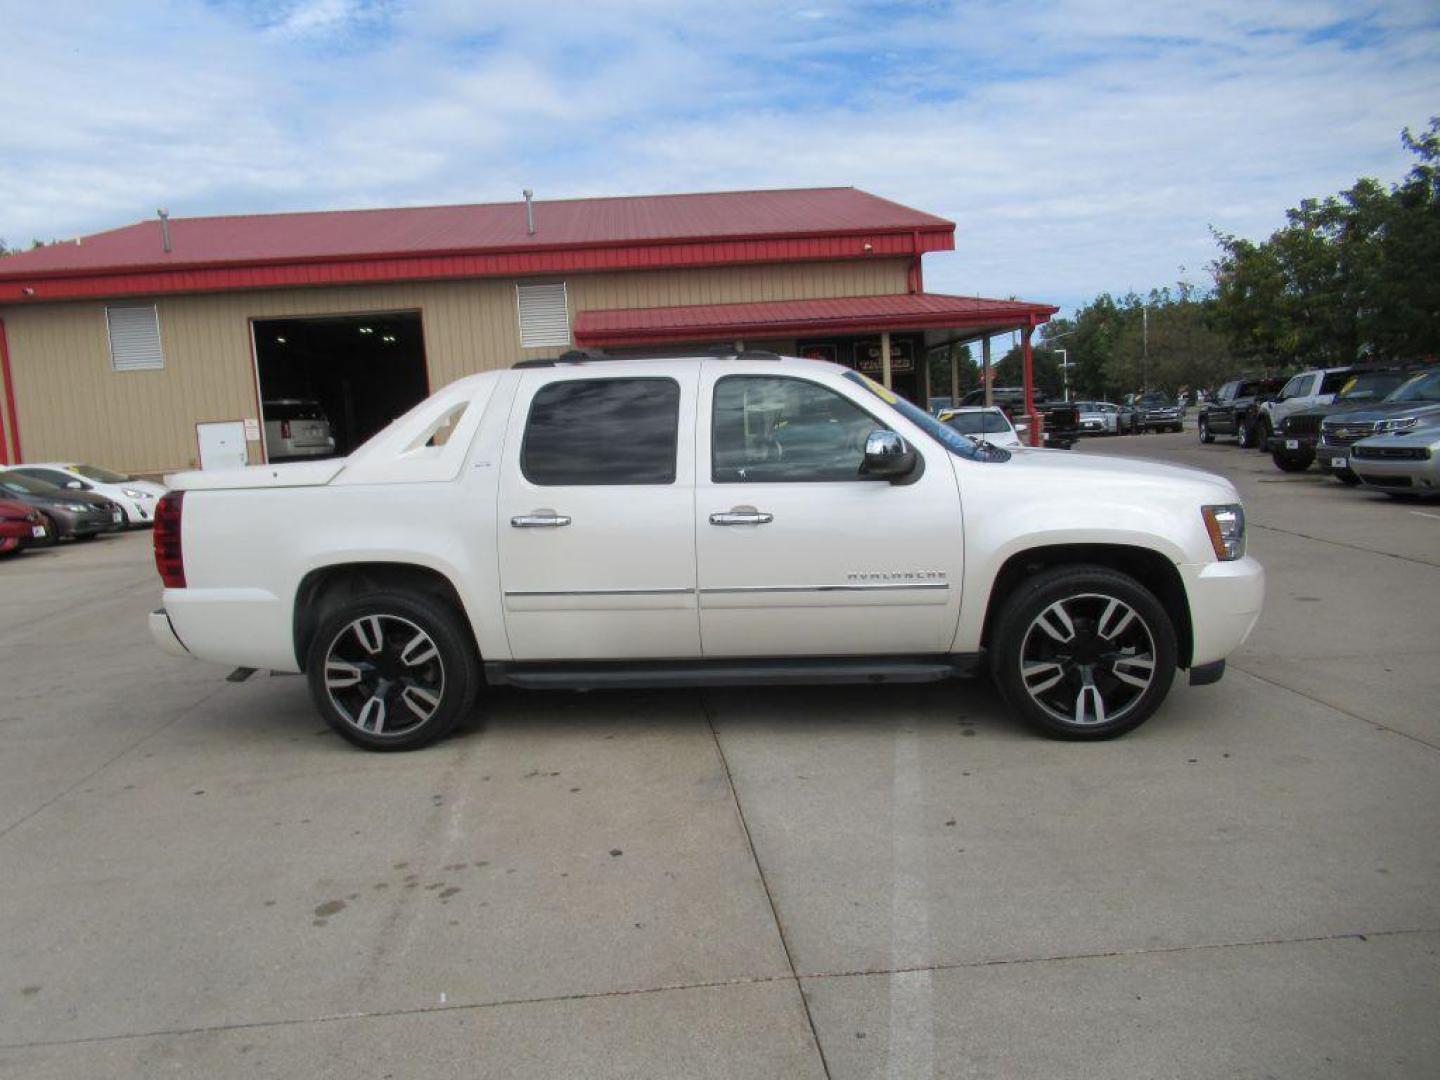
(1083, 652)
(392, 670)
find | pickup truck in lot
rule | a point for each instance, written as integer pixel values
(701, 521)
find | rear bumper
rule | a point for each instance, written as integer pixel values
(164, 634)
(1225, 603)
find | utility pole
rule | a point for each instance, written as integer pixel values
(1144, 345)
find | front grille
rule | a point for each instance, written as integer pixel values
(1301, 425)
(1344, 434)
(1393, 453)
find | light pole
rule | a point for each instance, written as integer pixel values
(1064, 371)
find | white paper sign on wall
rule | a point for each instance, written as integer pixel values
(252, 429)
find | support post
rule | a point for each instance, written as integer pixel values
(985, 378)
(1036, 438)
(925, 379)
(885, 359)
(13, 454)
(954, 378)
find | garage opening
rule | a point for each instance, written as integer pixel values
(339, 378)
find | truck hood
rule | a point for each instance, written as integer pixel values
(292, 474)
(1138, 475)
(1425, 409)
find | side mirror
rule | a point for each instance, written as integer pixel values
(887, 456)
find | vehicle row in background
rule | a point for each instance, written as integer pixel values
(42, 504)
(1059, 420)
(987, 424)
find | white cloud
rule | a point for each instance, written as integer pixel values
(1079, 145)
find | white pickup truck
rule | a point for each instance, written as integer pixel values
(701, 521)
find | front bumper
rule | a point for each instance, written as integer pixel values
(1421, 477)
(1291, 444)
(164, 634)
(1225, 602)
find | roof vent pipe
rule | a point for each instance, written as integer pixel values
(164, 229)
(529, 211)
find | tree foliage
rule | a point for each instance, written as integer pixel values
(1346, 276)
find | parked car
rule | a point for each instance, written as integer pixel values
(1292, 447)
(1304, 391)
(73, 515)
(136, 497)
(1060, 423)
(297, 428)
(1105, 418)
(627, 523)
(1234, 409)
(1157, 411)
(983, 425)
(20, 524)
(1415, 403)
(1405, 464)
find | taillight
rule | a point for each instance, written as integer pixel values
(169, 555)
(284, 429)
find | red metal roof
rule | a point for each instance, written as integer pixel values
(850, 314)
(254, 251)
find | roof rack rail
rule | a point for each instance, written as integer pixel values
(590, 356)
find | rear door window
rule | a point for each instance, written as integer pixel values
(588, 432)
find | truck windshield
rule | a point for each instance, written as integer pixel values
(948, 437)
(1370, 386)
(1423, 387)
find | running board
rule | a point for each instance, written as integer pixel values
(562, 675)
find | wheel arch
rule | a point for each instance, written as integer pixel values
(1147, 566)
(344, 581)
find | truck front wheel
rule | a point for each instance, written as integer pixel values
(1083, 652)
(392, 670)
(1293, 460)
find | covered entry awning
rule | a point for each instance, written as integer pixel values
(807, 318)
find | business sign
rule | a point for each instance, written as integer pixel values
(867, 357)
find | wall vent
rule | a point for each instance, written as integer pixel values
(134, 337)
(544, 315)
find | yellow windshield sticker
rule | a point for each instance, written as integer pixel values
(1348, 384)
(879, 391)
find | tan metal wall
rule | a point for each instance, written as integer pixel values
(74, 406)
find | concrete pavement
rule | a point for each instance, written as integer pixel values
(197, 878)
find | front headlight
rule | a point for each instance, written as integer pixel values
(1226, 526)
(135, 494)
(77, 508)
(1399, 423)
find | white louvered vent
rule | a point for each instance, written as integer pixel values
(544, 315)
(134, 338)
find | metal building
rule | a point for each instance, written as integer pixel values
(122, 347)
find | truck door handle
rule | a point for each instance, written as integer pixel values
(545, 519)
(741, 517)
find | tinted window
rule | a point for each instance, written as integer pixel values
(1296, 386)
(979, 423)
(602, 431)
(1423, 387)
(50, 476)
(1333, 381)
(768, 428)
(24, 485)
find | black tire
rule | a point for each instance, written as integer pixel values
(1263, 435)
(52, 538)
(1084, 594)
(1204, 426)
(404, 688)
(1244, 436)
(1346, 477)
(1292, 460)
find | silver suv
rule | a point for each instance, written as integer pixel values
(297, 428)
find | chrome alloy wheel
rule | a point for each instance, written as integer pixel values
(1087, 659)
(384, 675)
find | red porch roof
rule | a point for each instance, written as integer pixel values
(635, 232)
(840, 315)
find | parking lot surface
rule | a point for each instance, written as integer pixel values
(197, 878)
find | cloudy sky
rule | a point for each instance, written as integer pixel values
(1080, 145)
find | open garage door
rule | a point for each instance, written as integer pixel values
(339, 378)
